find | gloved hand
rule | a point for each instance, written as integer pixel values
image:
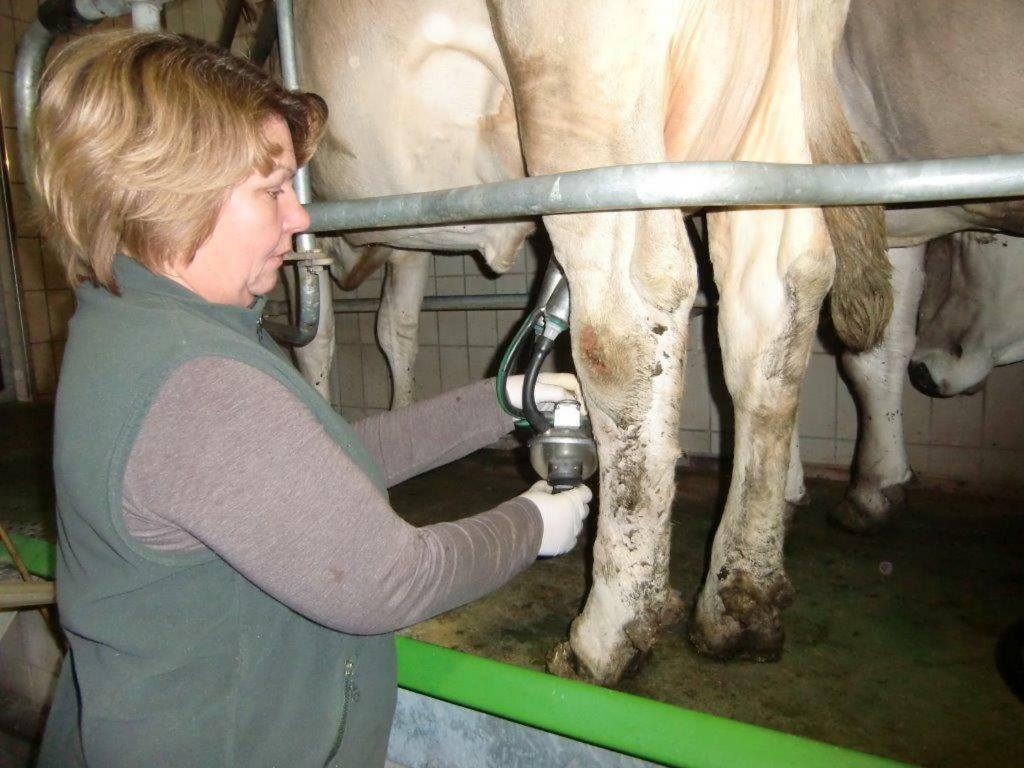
(551, 388)
(563, 515)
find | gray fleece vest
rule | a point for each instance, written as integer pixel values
(175, 659)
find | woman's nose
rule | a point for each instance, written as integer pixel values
(296, 218)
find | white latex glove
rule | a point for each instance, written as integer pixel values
(563, 515)
(551, 388)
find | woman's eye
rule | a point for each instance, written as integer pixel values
(275, 193)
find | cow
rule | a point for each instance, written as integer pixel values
(918, 80)
(971, 317)
(575, 84)
(434, 111)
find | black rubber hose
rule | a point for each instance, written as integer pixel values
(266, 34)
(542, 346)
(508, 360)
(61, 16)
(228, 27)
(1010, 658)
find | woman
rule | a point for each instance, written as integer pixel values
(229, 569)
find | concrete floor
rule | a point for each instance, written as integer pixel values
(890, 643)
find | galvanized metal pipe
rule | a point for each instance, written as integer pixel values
(311, 279)
(430, 303)
(685, 185)
(450, 303)
(34, 44)
(308, 300)
(14, 365)
(290, 78)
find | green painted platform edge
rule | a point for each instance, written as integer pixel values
(37, 554)
(649, 730)
(629, 724)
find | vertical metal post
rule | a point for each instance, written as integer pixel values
(310, 265)
(14, 360)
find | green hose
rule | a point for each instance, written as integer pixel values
(511, 352)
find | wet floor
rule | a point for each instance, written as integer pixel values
(891, 642)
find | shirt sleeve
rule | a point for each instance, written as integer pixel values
(229, 459)
(450, 426)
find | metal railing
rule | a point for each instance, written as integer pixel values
(685, 185)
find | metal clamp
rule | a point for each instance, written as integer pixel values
(314, 258)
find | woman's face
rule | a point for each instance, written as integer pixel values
(253, 232)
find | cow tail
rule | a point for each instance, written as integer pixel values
(861, 298)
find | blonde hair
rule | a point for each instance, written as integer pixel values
(140, 138)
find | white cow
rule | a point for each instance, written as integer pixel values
(971, 317)
(608, 82)
(419, 101)
(920, 79)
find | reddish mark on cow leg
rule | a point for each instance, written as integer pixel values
(590, 347)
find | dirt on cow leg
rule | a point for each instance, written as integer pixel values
(630, 601)
(642, 634)
(633, 379)
(750, 626)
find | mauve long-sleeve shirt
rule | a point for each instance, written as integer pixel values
(230, 460)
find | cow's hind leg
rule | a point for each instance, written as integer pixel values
(632, 277)
(398, 319)
(773, 269)
(881, 468)
(628, 344)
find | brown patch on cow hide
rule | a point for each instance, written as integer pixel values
(861, 302)
(612, 357)
(592, 351)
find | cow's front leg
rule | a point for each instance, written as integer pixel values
(881, 468)
(773, 270)
(398, 319)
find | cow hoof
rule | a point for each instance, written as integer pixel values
(605, 657)
(740, 619)
(868, 510)
(562, 662)
(626, 660)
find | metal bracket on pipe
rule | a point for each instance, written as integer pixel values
(302, 259)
